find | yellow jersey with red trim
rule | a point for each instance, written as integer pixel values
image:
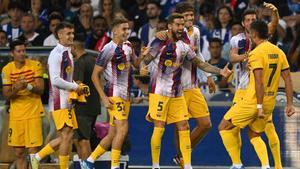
(26, 105)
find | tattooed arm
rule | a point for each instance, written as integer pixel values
(210, 68)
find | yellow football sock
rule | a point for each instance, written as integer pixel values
(47, 150)
(97, 152)
(156, 143)
(239, 137)
(115, 157)
(64, 162)
(231, 141)
(261, 150)
(274, 144)
(185, 146)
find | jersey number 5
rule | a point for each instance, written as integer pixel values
(272, 66)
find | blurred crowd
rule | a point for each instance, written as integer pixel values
(35, 20)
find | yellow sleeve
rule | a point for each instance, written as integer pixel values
(255, 61)
(38, 71)
(285, 63)
(6, 81)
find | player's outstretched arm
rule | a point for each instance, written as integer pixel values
(286, 75)
(235, 57)
(210, 68)
(96, 78)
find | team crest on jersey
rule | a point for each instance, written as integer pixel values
(121, 66)
(68, 69)
(168, 63)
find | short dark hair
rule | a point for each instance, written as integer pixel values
(61, 26)
(236, 23)
(248, 12)
(135, 39)
(99, 17)
(217, 40)
(184, 7)
(15, 5)
(2, 31)
(155, 2)
(118, 21)
(174, 16)
(16, 42)
(55, 17)
(261, 28)
(29, 15)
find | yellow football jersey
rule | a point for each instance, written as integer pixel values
(27, 105)
(272, 61)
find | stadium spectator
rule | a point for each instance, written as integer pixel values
(138, 14)
(70, 13)
(223, 24)
(22, 87)
(51, 40)
(162, 25)
(107, 8)
(83, 21)
(136, 44)
(206, 26)
(215, 48)
(147, 31)
(12, 28)
(3, 38)
(142, 84)
(236, 28)
(294, 53)
(98, 37)
(3, 10)
(29, 35)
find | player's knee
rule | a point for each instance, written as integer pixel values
(225, 125)
(66, 136)
(252, 134)
(206, 125)
(122, 132)
(184, 125)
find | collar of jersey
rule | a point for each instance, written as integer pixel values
(63, 47)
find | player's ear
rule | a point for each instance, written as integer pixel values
(169, 26)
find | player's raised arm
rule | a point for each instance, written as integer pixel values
(272, 26)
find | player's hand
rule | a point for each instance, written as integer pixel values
(226, 72)
(270, 6)
(145, 50)
(162, 35)
(107, 102)
(211, 84)
(290, 110)
(260, 113)
(144, 71)
(20, 84)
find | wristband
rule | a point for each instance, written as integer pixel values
(29, 87)
(259, 106)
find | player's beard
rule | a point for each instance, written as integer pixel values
(176, 35)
